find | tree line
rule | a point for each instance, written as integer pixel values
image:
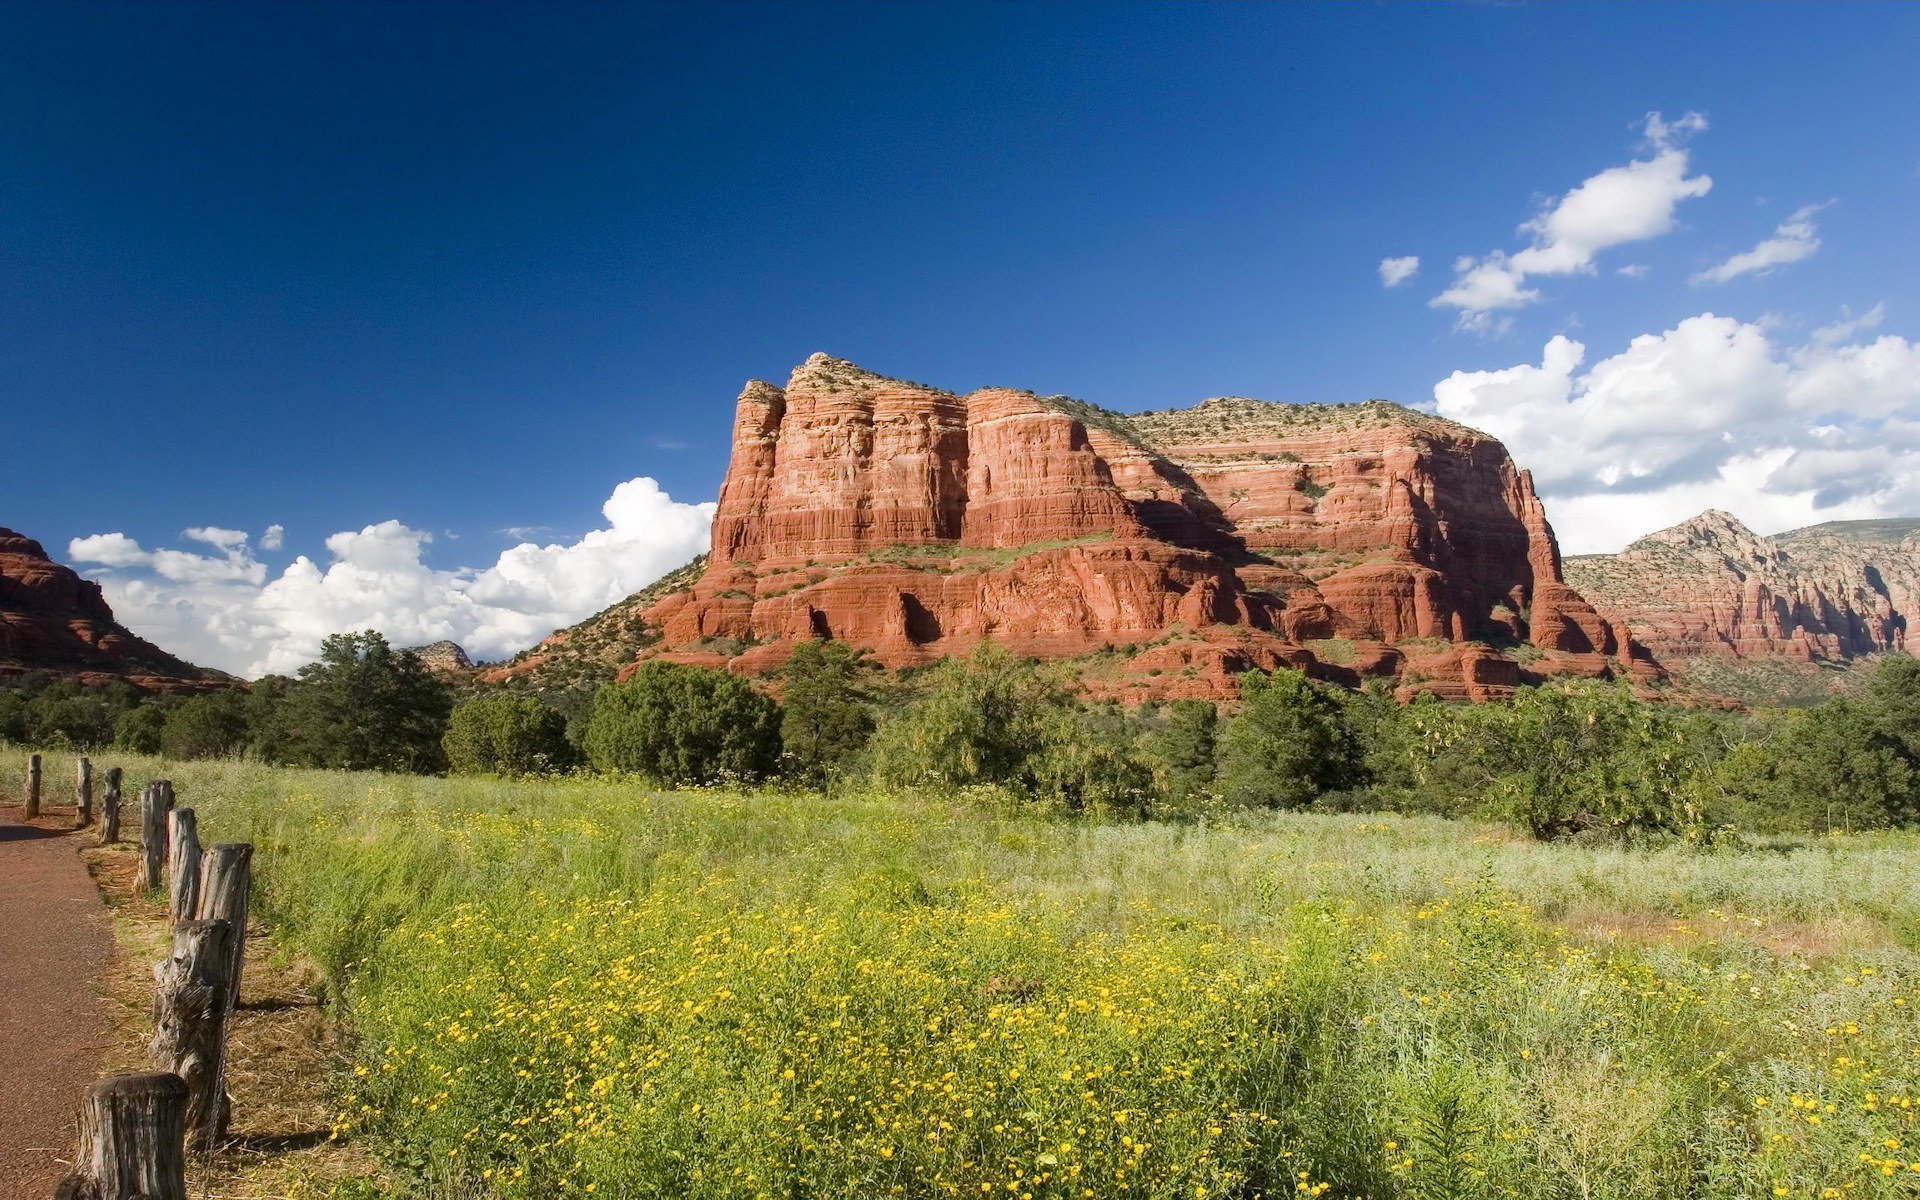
(1566, 759)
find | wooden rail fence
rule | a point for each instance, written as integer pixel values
(136, 1130)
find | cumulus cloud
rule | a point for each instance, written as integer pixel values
(226, 611)
(274, 537)
(1712, 412)
(1623, 204)
(1396, 271)
(1794, 239)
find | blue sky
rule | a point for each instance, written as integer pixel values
(388, 273)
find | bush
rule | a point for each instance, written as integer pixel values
(1288, 744)
(681, 724)
(992, 720)
(507, 735)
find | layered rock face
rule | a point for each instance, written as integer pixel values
(1711, 586)
(53, 620)
(1348, 540)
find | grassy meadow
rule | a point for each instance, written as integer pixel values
(583, 987)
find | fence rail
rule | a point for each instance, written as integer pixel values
(136, 1130)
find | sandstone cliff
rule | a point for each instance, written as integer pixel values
(53, 620)
(1183, 546)
(1712, 587)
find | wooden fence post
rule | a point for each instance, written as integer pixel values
(83, 793)
(132, 1141)
(183, 865)
(33, 785)
(226, 873)
(154, 804)
(189, 1025)
(110, 809)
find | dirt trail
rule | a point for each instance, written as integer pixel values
(56, 940)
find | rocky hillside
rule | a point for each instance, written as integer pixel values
(1710, 588)
(1179, 546)
(53, 620)
(583, 656)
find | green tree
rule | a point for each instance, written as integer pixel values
(1287, 745)
(681, 724)
(138, 729)
(213, 725)
(505, 734)
(824, 716)
(1838, 766)
(67, 713)
(1186, 747)
(16, 717)
(363, 706)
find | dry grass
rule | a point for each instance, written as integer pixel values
(283, 1043)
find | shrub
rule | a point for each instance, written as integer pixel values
(1288, 744)
(1011, 724)
(139, 728)
(681, 724)
(507, 735)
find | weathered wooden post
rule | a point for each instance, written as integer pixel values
(189, 1025)
(226, 872)
(83, 793)
(110, 808)
(183, 865)
(154, 805)
(33, 785)
(132, 1141)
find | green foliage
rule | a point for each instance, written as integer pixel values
(824, 718)
(47, 711)
(362, 706)
(505, 734)
(1843, 765)
(681, 724)
(1287, 745)
(996, 721)
(1186, 747)
(206, 726)
(139, 728)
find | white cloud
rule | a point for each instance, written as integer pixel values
(1617, 206)
(1633, 270)
(1396, 271)
(1848, 324)
(1710, 413)
(224, 611)
(1794, 239)
(274, 538)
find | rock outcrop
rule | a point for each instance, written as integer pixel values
(1712, 587)
(1349, 540)
(53, 620)
(444, 658)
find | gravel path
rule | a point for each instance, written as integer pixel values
(56, 939)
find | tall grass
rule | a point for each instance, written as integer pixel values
(589, 987)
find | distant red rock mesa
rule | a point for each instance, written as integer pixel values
(53, 620)
(1710, 587)
(1168, 550)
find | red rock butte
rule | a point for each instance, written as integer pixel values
(53, 620)
(1167, 550)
